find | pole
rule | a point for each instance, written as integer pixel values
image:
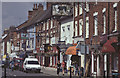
(84, 22)
(70, 72)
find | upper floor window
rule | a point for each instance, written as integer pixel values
(87, 7)
(63, 28)
(76, 28)
(95, 23)
(87, 27)
(68, 27)
(44, 26)
(115, 17)
(76, 9)
(47, 24)
(104, 21)
(51, 23)
(80, 9)
(80, 26)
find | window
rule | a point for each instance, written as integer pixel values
(115, 17)
(80, 9)
(63, 28)
(44, 26)
(47, 24)
(115, 27)
(104, 23)
(95, 23)
(32, 43)
(80, 26)
(87, 7)
(76, 26)
(68, 27)
(51, 23)
(76, 9)
(87, 27)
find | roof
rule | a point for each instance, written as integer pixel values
(39, 16)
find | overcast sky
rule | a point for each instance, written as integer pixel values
(15, 13)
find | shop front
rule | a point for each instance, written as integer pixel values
(111, 57)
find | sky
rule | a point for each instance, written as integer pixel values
(14, 13)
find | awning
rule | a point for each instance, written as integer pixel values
(107, 47)
(71, 50)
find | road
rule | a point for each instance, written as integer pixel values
(45, 73)
(20, 74)
(17, 73)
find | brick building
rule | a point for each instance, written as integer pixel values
(101, 26)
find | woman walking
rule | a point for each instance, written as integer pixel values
(63, 67)
(58, 67)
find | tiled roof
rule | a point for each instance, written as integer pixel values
(39, 17)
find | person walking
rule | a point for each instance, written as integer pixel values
(12, 65)
(58, 67)
(63, 67)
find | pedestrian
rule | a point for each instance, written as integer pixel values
(58, 67)
(63, 67)
(12, 65)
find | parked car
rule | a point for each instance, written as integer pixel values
(31, 64)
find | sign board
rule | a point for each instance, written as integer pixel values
(62, 9)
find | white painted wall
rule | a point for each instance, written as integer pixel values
(67, 35)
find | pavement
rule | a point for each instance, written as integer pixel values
(52, 71)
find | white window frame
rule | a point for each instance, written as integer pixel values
(76, 28)
(47, 24)
(87, 7)
(80, 9)
(51, 23)
(76, 9)
(44, 26)
(87, 27)
(104, 23)
(95, 24)
(115, 11)
(80, 26)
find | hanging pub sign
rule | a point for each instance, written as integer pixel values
(62, 9)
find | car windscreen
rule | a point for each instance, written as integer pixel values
(33, 62)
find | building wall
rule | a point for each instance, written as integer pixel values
(67, 31)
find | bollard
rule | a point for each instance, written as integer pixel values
(5, 69)
(70, 72)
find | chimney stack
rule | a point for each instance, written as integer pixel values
(35, 9)
(40, 7)
(30, 14)
(49, 4)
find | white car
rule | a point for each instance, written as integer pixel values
(31, 64)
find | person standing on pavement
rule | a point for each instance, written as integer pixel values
(58, 67)
(63, 67)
